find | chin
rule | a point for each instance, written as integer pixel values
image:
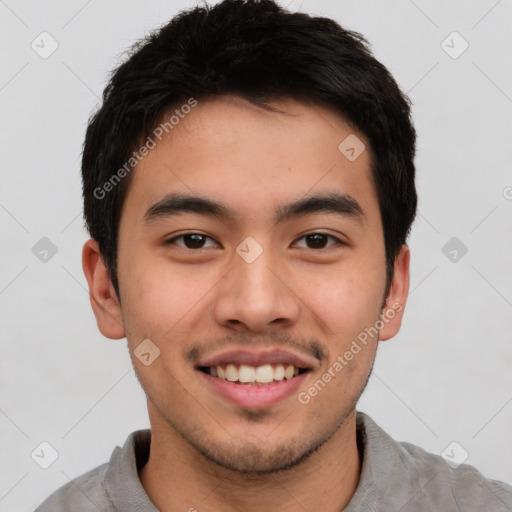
(259, 458)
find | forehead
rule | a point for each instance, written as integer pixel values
(252, 157)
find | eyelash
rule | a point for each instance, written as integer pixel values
(171, 241)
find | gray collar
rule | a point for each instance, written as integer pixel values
(123, 486)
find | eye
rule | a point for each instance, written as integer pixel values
(191, 240)
(197, 240)
(318, 240)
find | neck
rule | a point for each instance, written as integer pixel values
(176, 477)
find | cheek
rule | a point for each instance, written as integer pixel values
(150, 299)
(161, 300)
(346, 300)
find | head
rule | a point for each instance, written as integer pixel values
(249, 185)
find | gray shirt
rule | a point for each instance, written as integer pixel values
(394, 477)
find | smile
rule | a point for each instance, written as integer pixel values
(255, 379)
(254, 375)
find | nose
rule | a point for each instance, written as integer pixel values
(256, 296)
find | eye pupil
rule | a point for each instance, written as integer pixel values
(319, 240)
(197, 241)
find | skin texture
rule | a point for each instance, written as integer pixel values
(206, 452)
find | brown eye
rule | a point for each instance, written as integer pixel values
(319, 240)
(190, 240)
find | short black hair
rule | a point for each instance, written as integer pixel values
(259, 51)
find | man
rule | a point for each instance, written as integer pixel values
(249, 190)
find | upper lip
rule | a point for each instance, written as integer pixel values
(259, 357)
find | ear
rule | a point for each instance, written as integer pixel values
(393, 311)
(103, 298)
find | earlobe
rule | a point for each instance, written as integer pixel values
(393, 311)
(103, 298)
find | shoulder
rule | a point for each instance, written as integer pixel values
(84, 493)
(112, 486)
(408, 478)
(463, 486)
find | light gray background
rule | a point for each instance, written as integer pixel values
(447, 375)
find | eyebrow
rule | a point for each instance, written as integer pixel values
(329, 202)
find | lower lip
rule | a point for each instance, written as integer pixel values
(254, 396)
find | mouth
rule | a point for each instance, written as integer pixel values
(255, 380)
(245, 374)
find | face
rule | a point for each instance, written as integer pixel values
(250, 301)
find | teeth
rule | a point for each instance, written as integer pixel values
(254, 375)
(246, 373)
(264, 373)
(279, 372)
(231, 373)
(288, 373)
